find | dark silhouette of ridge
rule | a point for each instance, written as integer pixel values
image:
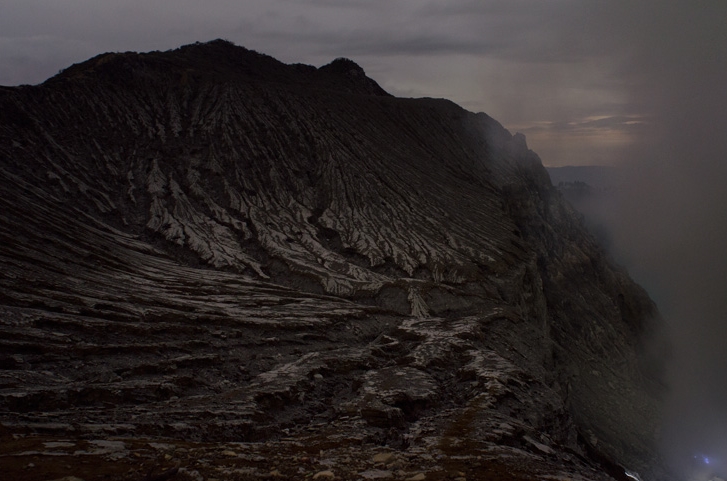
(222, 60)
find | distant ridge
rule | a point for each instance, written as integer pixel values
(596, 176)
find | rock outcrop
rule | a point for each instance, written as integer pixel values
(209, 245)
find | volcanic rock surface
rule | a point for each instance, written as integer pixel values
(258, 269)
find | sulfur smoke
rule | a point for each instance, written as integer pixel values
(669, 222)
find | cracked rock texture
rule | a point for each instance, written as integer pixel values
(206, 245)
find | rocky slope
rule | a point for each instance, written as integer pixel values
(207, 245)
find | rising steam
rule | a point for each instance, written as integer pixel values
(669, 223)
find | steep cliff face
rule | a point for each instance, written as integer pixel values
(209, 244)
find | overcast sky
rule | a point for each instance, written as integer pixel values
(637, 82)
(560, 71)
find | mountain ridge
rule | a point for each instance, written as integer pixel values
(271, 244)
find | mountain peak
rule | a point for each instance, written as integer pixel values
(223, 52)
(344, 66)
(352, 77)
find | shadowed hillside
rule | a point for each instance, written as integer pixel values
(209, 245)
